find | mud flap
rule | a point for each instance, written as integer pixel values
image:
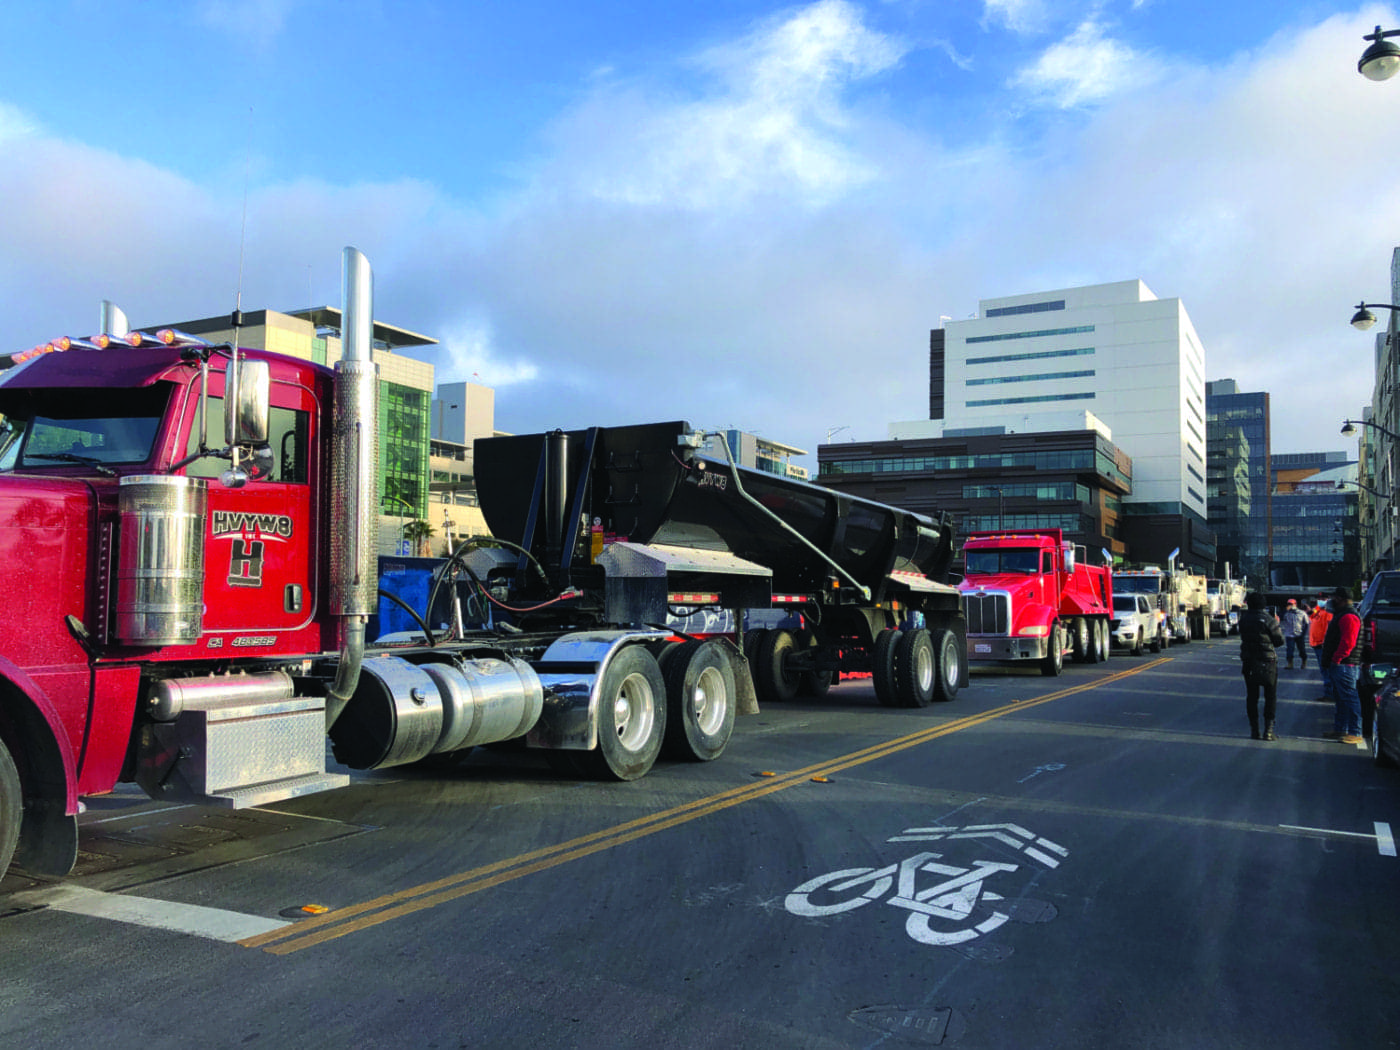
(48, 842)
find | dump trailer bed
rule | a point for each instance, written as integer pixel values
(650, 484)
(866, 581)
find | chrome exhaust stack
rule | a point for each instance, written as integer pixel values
(354, 545)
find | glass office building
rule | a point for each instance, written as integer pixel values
(1238, 485)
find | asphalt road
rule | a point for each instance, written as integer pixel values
(1099, 860)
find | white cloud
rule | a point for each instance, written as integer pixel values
(471, 355)
(1085, 67)
(1020, 16)
(15, 123)
(776, 124)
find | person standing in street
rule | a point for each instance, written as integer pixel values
(1341, 655)
(1260, 637)
(1295, 634)
(1317, 633)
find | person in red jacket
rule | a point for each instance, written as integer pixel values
(1321, 615)
(1341, 655)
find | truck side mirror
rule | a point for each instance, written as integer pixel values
(1069, 557)
(247, 423)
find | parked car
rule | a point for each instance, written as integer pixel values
(1385, 734)
(1379, 610)
(1134, 622)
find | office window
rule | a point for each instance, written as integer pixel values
(1033, 378)
(1076, 330)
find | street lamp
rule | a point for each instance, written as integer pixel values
(1349, 428)
(1363, 320)
(1381, 60)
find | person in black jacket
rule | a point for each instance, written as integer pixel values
(1260, 637)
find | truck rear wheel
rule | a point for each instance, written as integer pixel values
(1054, 661)
(699, 700)
(11, 808)
(947, 664)
(631, 717)
(914, 671)
(770, 674)
(882, 666)
(1079, 629)
(1093, 654)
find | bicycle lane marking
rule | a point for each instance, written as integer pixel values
(341, 922)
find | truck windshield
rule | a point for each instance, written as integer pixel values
(1137, 584)
(991, 562)
(91, 427)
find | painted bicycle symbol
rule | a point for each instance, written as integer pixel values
(956, 908)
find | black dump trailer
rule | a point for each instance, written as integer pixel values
(640, 525)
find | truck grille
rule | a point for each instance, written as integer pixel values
(987, 613)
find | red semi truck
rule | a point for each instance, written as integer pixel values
(193, 616)
(1031, 595)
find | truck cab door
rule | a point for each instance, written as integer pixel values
(261, 544)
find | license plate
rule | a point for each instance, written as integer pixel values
(981, 647)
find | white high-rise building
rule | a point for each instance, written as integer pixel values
(1115, 350)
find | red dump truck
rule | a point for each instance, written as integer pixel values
(1029, 595)
(190, 533)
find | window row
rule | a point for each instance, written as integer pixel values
(1078, 351)
(1026, 308)
(985, 402)
(1031, 378)
(1030, 335)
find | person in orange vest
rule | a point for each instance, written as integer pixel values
(1320, 616)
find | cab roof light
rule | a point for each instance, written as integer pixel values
(175, 337)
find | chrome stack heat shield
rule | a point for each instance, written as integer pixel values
(354, 542)
(354, 517)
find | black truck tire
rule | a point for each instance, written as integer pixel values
(631, 717)
(1054, 661)
(948, 661)
(1094, 653)
(770, 674)
(11, 808)
(882, 662)
(914, 669)
(1079, 636)
(700, 701)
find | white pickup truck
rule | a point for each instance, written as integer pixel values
(1134, 622)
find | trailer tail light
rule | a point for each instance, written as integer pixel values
(687, 598)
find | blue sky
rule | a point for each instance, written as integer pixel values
(733, 212)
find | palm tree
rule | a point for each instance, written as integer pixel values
(418, 531)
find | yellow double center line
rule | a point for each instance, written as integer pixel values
(343, 921)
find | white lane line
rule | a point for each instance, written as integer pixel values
(1384, 841)
(214, 924)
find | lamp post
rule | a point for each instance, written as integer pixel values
(1381, 60)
